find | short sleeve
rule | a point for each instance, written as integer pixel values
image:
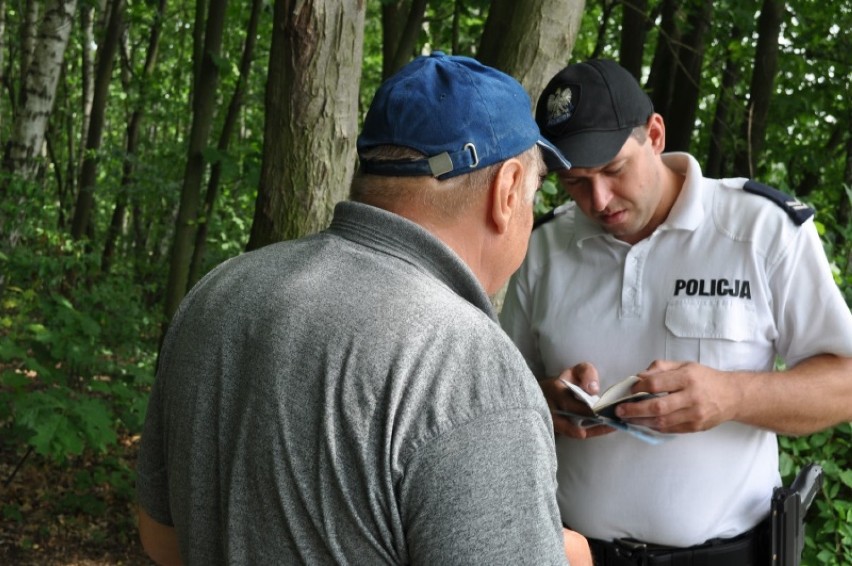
(484, 493)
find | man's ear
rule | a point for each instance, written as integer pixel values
(506, 193)
(657, 132)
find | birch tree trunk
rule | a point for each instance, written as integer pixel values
(39, 89)
(311, 117)
(531, 40)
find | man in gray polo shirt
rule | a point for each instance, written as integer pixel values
(349, 398)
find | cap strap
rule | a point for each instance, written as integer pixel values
(435, 166)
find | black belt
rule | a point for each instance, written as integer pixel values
(748, 549)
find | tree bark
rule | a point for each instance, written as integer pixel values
(28, 34)
(224, 140)
(607, 7)
(634, 24)
(2, 44)
(132, 139)
(103, 78)
(531, 40)
(20, 159)
(203, 106)
(660, 82)
(311, 117)
(401, 23)
(39, 89)
(762, 87)
(721, 129)
(88, 54)
(681, 116)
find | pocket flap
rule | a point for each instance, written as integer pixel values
(721, 319)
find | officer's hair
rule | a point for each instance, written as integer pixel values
(640, 133)
(448, 197)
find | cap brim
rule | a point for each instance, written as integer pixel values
(553, 158)
(593, 149)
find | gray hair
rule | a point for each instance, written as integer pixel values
(448, 197)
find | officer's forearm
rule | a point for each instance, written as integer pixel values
(809, 397)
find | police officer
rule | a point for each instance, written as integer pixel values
(697, 285)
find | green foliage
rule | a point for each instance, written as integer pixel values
(829, 521)
(75, 366)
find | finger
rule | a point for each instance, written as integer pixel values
(564, 426)
(586, 376)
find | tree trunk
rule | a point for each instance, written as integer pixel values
(28, 34)
(532, 40)
(2, 43)
(224, 140)
(39, 89)
(401, 23)
(634, 24)
(681, 117)
(660, 82)
(103, 78)
(762, 87)
(20, 159)
(311, 117)
(132, 140)
(203, 107)
(88, 53)
(607, 7)
(721, 129)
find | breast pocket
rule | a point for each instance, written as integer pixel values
(719, 333)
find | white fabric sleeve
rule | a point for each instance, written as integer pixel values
(811, 313)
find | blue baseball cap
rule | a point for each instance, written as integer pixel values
(461, 114)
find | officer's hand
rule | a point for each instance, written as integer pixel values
(560, 398)
(699, 398)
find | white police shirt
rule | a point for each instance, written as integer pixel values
(728, 280)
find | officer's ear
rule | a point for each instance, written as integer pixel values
(656, 130)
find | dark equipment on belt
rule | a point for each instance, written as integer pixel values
(776, 541)
(789, 506)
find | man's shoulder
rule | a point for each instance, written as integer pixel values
(749, 210)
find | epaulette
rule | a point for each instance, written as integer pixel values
(550, 215)
(544, 218)
(796, 210)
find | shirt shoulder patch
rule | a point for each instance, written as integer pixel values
(796, 210)
(544, 219)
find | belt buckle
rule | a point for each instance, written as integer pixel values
(630, 548)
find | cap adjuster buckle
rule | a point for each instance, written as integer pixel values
(445, 162)
(440, 164)
(472, 149)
